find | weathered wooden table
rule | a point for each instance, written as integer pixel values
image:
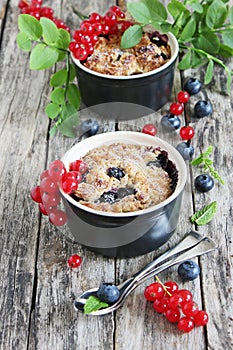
(37, 289)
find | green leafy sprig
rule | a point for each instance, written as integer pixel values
(207, 163)
(48, 45)
(93, 304)
(204, 31)
(204, 215)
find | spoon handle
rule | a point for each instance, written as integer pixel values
(192, 239)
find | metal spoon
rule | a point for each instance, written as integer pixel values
(192, 245)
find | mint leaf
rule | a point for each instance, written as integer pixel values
(209, 72)
(30, 26)
(204, 215)
(52, 110)
(139, 11)
(43, 57)
(131, 36)
(58, 78)
(73, 95)
(216, 14)
(23, 41)
(93, 304)
(50, 31)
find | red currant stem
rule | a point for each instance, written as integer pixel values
(79, 14)
(164, 287)
(188, 143)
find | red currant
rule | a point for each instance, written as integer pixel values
(161, 305)
(117, 11)
(56, 169)
(149, 129)
(74, 261)
(154, 291)
(77, 35)
(44, 174)
(22, 4)
(172, 315)
(94, 17)
(69, 183)
(97, 28)
(125, 25)
(183, 96)
(190, 309)
(73, 46)
(174, 301)
(57, 217)
(46, 12)
(48, 185)
(89, 48)
(171, 286)
(185, 324)
(105, 29)
(36, 194)
(51, 200)
(201, 318)
(110, 18)
(78, 165)
(176, 108)
(86, 28)
(186, 295)
(77, 175)
(186, 132)
(80, 53)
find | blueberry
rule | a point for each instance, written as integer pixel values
(204, 183)
(170, 122)
(185, 150)
(188, 270)
(118, 173)
(89, 127)
(108, 293)
(192, 86)
(203, 108)
(109, 197)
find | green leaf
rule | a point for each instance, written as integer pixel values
(157, 10)
(72, 72)
(23, 41)
(68, 111)
(196, 6)
(93, 304)
(52, 110)
(198, 60)
(208, 42)
(226, 51)
(43, 57)
(227, 37)
(199, 159)
(216, 14)
(231, 15)
(63, 39)
(185, 63)
(61, 55)
(131, 36)
(205, 215)
(188, 31)
(30, 26)
(58, 95)
(68, 126)
(58, 78)
(73, 95)
(176, 8)
(50, 31)
(209, 72)
(139, 12)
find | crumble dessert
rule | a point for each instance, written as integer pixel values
(150, 53)
(126, 177)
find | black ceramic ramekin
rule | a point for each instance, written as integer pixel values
(151, 89)
(124, 234)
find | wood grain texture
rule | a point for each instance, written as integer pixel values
(37, 289)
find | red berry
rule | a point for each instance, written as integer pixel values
(149, 129)
(80, 53)
(51, 199)
(161, 305)
(56, 169)
(201, 318)
(110, 18)
(94, 17)
(186, 295)
(44, 174)
(69, 183)
(125, 25)
(57, 217)
(22, 4)
(97, 28)
(77, 36)
(172, 315)
(183, 96)
(117, 11)
(176, 108)
(89, 48)
(190, 309)
(46, 210)
(73, 46)
(185, 324)
(77, 175)
(79, 165)
(175, 301)
(46, 12)
(86, 28)
(48, 185)
(74, 261)
(171, 286)
(36, 194)
(154, 291)
(93, 39)
(105, 29)
(186, 132)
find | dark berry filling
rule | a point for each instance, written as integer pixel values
(118, 173)
(158, 39)
(115, 195)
